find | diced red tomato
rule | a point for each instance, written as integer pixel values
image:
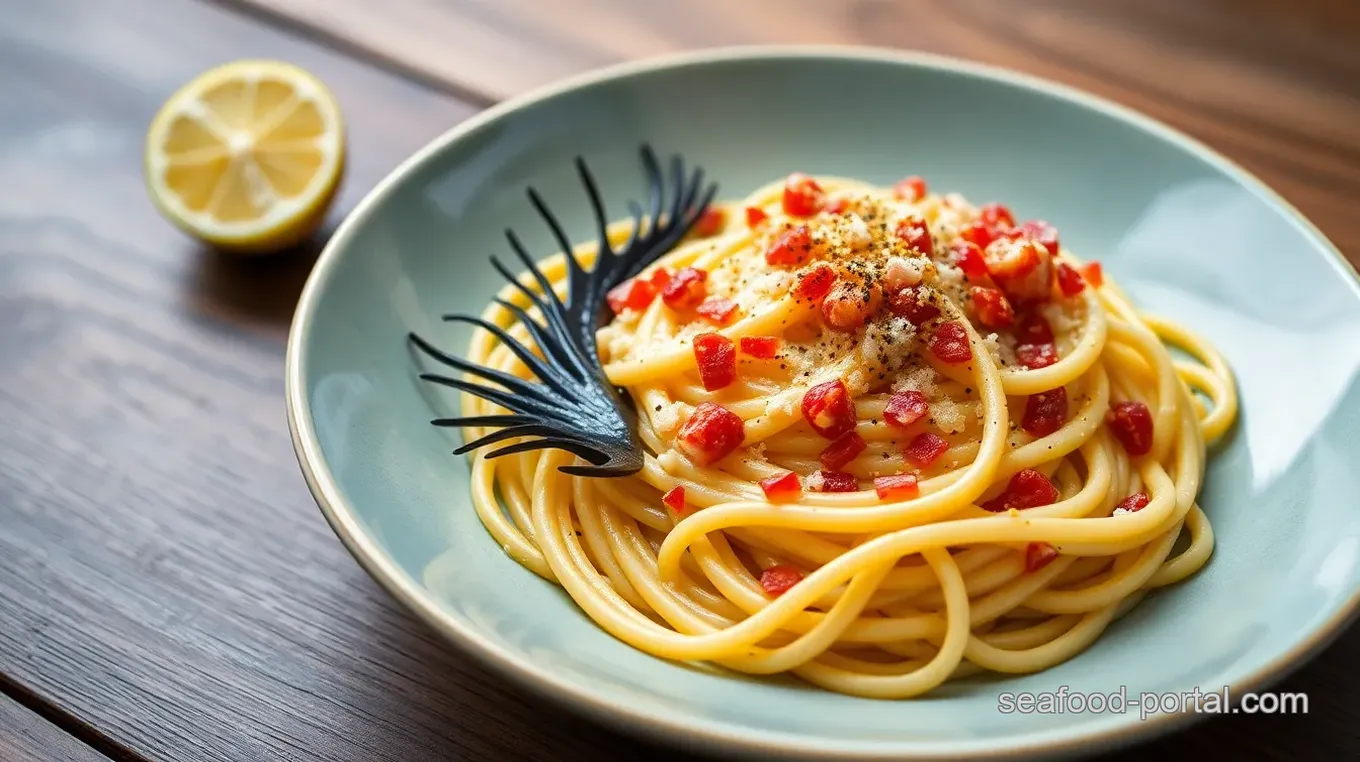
(905, 408)
(950, 343)
(996, 217)
(1030, 489)
(716, 357)
(1038, 555)
(661, 278)
(844, 449)
(967, 257)
(711, 433)
(924, 449)
(633, 294)
(803, 197)
(686, 289)
(1045, 412)
(1131, 423)
(914, 233)
(720, 311)
(1027, 489)
(1093, 274)
(780, 579)
(782, 488)
(1036, 356)
(834, 481)
(1132, 504)
(710, 221)
(792, 247)
(755, 216)
(991, 307)
(1033, 329)
(828, 408)
(675, 499)
(759, 347)
(1070, 282)
(1022, 268)
(914, 304)
(978, 234)
(815, 283)
(910, 189)
(896, 487)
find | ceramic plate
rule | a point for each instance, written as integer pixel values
(1186, 232)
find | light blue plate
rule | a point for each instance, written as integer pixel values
(1185, 231)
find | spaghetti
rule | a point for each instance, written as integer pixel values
(895, 439)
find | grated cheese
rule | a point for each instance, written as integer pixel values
(785, 403)
(922, 379)
(950, 416)
(756, 453)
(763, 289)
(1005, 350)
(990, 341)
(668, 419)
(1066, 321)
(855, 233)
(950, 277)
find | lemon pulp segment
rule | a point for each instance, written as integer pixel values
(247, 156)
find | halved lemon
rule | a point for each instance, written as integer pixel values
(247, 156)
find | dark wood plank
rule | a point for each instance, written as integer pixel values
(165, 577)
(1274, 84)
(27, 737)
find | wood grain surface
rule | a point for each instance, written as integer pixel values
(27, 737)
(168, 589)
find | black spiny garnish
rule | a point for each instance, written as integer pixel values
(573, 406)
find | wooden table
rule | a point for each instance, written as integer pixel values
(168, 589)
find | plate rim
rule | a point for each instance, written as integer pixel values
(1118, 730)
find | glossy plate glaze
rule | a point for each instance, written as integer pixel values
(1186, 232)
